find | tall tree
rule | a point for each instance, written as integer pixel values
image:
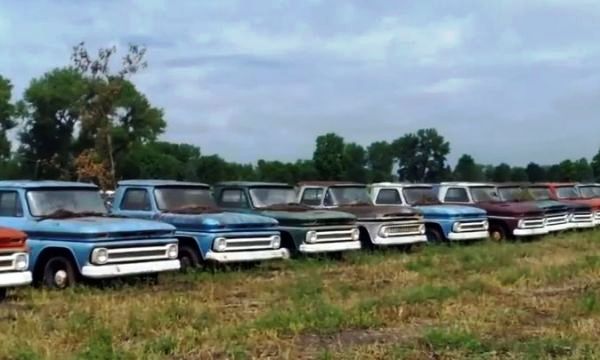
(421, 156)
(582, 170)
(467, 169)
(7, 116)
(329, 156)
(380, 160)
(566, 171)
(355, 162)
(535, 173)
(519, 174)
(502, 173)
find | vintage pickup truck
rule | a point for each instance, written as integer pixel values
(506, 219)
(379, 225)
(566, 192)
(443, 222)
(71, 234)
(14, 259)
(205, 232)
(560, 215)
(303, 229)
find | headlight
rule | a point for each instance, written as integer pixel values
(21, 262)
(521, 223)
(100, 256)
(384, 231)
(276, 242)
(311, 236)
(220, 244)
(422, 229)
(486, 224)
(455, 227)
(355, 234)
(172, 251)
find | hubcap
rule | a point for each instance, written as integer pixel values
(61, 278)
(496, 236)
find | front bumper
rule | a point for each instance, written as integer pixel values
(530, 232)
(247, 256)
(399, 240)
(329, 247)
(116, 270)
(469, 235)
(559, 227)
(16, 278)
(583, 225)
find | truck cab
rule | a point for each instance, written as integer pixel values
(444, 222)
(205, 232)
(71, 235)
(506, 219)
(379, 225)
(303, 230)
(14, 259)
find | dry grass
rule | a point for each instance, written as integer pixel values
(483, 301)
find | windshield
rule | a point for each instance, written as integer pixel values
(484, 194)
(420, 195)
(566, 192)
(265, 197)
(178, 198)
(513, 194)
(347, 195)
(589, 192)
(46, 202)
(539, 193)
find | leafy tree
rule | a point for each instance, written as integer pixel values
(535, 173)
(467, 170)
(596, 166)
(380, 160)
(502, 173)
(7, 116)
(582, 170)
(50, 109)
(355, 162)
(554, 173)
(488, 172)
(329, 156)
(566, 171)
(421, 156)
(519, 174)
(304, 170)
(274, 171)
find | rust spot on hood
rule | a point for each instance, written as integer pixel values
(295, 207)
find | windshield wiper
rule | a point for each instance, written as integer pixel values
(68, 214)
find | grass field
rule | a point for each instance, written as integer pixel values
(532, 300)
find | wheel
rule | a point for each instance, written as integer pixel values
(59, 273)
(434, 235)
(188, 257)
(2, 294)
(497, 233)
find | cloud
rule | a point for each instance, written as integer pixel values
(252, 80)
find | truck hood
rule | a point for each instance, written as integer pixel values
(214, 221)
(372, 212)
(12, 239)
(451, 211)
(309, 217)
(97, 227)
(513, 209)
(552, 206)
(593, 203)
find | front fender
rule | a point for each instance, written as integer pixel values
(80, 251)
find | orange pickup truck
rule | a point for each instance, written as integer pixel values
(14, 260)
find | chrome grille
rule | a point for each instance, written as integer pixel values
(249, 243)
(7, 261)
(334, 235)
(402, 228)
(466, 226)
(557, 219)
(135, 254)
(532, 223)
(597, 216)
(583, 216)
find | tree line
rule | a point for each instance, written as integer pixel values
(88, 121)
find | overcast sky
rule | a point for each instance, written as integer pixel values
(502, 80)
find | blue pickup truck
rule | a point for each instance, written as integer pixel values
(205, 232)
(72, 236)
(443, 222)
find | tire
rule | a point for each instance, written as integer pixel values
(434, 235)
(3, 294)
(188, 257)
(58, 273)
(497, 233)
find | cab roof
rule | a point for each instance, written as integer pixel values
(330, 183)
(32, 184)
(465, 183)
(148, 182)
(251, 184)
(402, 184)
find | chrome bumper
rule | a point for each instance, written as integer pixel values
(329, 247)
(559, 227)
(246, 256)
(115, 270)
(583, 225)
(530, 232)
(399, 240)
(469, 235)
(17, 278)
